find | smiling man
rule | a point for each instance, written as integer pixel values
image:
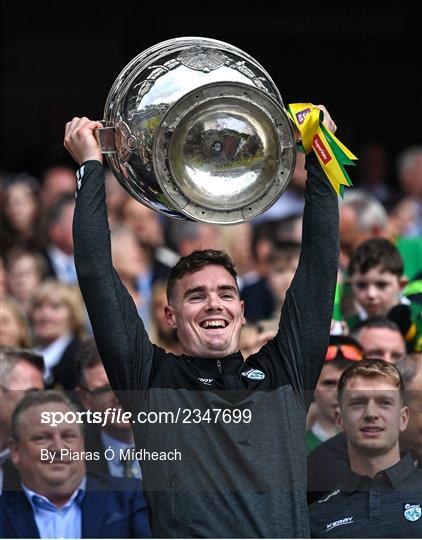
(238, 426)
(57, 499)
(380, 496)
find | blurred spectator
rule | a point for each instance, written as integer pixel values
(59, 253)
(342, 350)
(248, 340)
(55, 182)
(254, 336)
(25, 271)
(379, 483)
(410, 367)
(14, 325)
(380, 338)
(363, 217)
(187, 236)
(58, 499)
(20, 223)
(403, 217)
(282, 263)
(144, 222)
(3, 281)
(147, 228)
(410, 179)
(21, 371)
(129, 261)
(94, 392)
(373, 171)
(270, 237)
(161, 334)
(254, 288)
(58, 323)
(115, 198)
(238, 244)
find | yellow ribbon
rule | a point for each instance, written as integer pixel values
(331, 153)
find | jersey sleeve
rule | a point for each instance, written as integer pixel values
(305, 321)
(119, 332)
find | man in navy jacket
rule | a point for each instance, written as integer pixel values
(57, 498)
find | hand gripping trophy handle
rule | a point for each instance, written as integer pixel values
(106, 139)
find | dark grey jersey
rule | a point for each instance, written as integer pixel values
(230, 433)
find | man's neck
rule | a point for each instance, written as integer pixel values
(59, 495)
(370, 465)
(329, 426)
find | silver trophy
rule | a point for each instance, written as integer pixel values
(196, 129)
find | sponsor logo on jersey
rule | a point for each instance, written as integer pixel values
(205, 381)
(254, 374)
(412, 512)
(344, 521)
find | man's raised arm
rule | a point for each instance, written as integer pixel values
(307, 310)
(119, 332)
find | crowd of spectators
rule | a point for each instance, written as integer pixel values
(47, 346)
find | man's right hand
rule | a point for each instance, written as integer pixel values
(80, 141)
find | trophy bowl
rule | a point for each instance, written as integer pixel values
(196, 129)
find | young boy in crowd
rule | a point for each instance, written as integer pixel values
(377, 279)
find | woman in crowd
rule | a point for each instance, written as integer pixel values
(58, 323)
(25, 271)
(20, 214)
(14, 327)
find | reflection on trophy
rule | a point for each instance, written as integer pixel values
(195, 128)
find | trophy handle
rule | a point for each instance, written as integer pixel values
(106, 139)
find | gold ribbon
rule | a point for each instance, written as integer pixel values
(331, 153)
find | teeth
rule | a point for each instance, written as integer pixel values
(214, 324)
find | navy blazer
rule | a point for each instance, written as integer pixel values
(111, 508)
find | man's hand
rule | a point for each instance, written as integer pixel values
(80, 141)
(327, 121)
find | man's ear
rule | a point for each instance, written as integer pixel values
(403, 282)
(14, 452)
(242, 305)
(339, 419)
(170, 316)
(404, 418)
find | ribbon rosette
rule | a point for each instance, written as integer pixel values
(331, 153)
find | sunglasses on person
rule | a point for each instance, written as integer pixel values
(348, 352)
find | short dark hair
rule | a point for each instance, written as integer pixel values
(375, 322)
(10, 356)
(284, 251)
(370, 369)
(196, 261)
(86, 356)
(56, 211)
(376, 252)
(33, 399)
